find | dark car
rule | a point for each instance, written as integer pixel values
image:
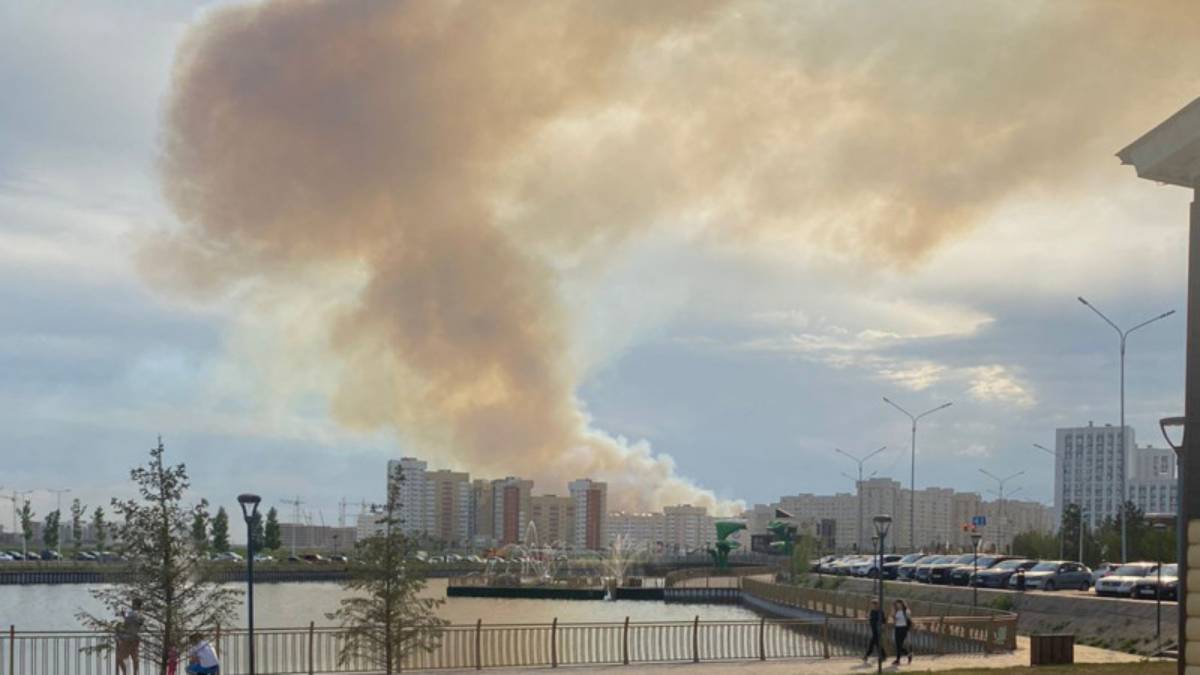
(997, 575)
(924, 568)
(939, 573)
(961, 575)
(908, 571)
(1051, 575)
(891, 570)
(1166, 588)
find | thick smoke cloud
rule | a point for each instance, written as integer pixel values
(457, 158)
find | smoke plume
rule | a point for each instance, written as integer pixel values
(452, 160)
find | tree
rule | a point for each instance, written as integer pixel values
(803, 552)
(256, 533)
(200, 527)
(220, 531)
(1035, 545)
(166, 570)
(77, 512)
(99, 528)
(391, 620)
(50, 530)
(272, 537)
(26, 516)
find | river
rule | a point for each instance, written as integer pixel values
(281, 605)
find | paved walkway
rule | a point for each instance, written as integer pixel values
(921, 664)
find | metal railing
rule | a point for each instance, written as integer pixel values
(682, 577)
(287, 651)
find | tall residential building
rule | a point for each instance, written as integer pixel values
(687, 528)
(415, 500)
(1088, 466)
(554, 519)
(449, 506)
(641, 531)
(510, 509)
(1154, 487)
(591, 513)
(316, 537)
(482, 513)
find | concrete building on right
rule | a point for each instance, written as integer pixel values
(1088, 466)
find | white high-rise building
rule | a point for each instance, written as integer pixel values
(1154, 486)
(416, 500)
(1088, 466)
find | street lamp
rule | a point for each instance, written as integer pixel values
(1160, 528)
(1000, 493)
(912, 481)
(975, 537)
(882, 524)
(1123, 334)
(249, 504)
(858, 486)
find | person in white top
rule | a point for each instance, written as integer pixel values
(902, 620)
(202, 659)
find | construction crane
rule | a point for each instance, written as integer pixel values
(295, 504)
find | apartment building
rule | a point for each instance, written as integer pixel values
(590, 500)
(554, 519)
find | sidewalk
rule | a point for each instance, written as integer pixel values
(920, 664)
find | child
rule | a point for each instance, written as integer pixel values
(202, 660)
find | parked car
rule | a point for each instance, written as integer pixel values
(961, 575)
(4, 557)
(1050, 575)
(338, 558)
(295, 559)
(870, 567)
(891, 570)
(1121, 582)
(1165, 587)
(820, 564)
(50, 555)
(16, 555)
(263, 557)
(1102, 570)
(939, 573)
(997, 575)
(924, 569)
(314, 558)
(908, 571)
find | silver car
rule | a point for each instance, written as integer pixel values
(1123, 580)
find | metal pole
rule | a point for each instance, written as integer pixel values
(1124, 459)
(250, 594)
(912, 501)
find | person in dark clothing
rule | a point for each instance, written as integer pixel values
(875, 619)
(902, 620)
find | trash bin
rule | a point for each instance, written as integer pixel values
(1051, 649)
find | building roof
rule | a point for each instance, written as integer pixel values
(1170, 152)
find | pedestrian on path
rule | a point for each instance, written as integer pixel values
(876, 619)
(902, 620)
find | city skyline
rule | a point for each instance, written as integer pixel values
(766, 351)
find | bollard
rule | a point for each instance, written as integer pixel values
(12, 649)
(696, 640)
(554, 643)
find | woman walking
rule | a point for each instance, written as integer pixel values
(902, 620)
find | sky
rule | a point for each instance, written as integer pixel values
(687, 252)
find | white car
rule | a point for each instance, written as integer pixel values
(1102, 570)
(1122, 581)
(5, 557)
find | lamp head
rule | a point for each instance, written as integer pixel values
(249, 504)
(882, 524)
(975, 537)
(1172, 422)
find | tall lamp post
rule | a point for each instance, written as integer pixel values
(249, 504)
(1159, 528)
(882, 524)
(1062, 540)
(975, 537)
(858, 486)
(1000, 490)
(912, 480)
(1124, 335)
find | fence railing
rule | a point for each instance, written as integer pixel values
(312, 650)
(682, 577)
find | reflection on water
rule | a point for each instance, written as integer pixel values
(295, 604)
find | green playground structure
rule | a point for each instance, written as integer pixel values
(720, 551)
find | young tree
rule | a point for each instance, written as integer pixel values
(77, 512)
(220, 531)
(200, 527)
(99, 529)
(26, 516)
(390, 620)
(272, 537)
(167, 572)
(50, 530)
(257, 532)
